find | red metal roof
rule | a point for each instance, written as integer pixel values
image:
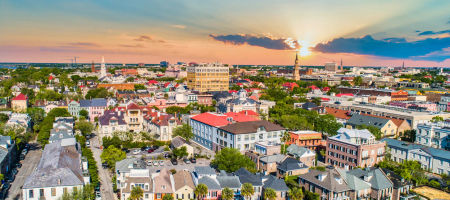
(212, 119)
(20, 97)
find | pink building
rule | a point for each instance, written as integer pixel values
(428, 106)
(352, 148)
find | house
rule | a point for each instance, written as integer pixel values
(381, 186)
(164, 184)
(111, 121)
(352, 148)
(255, 179)
(214, 189)
(19, 120)
(402, 125)
(291, 167)
(162, 126)
(95, 107)
(436, 160)
(436, 135)
(8, 153)
(276, 184)
(244, 135)
(229, 181)
(60, 170)
(401, 186)
(304, 155)
(360, 189)
(329, 184)
(242, 102)
(268, 164)
(137, 178)
(341, 115)
(74, 108)
(184, 185)
(134, 118)
(3, 103)
(124, 167)
(386, 126)
(19, 103)
(178, 142)
(308, 139)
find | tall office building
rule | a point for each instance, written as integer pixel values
(208, 77)
(296, 68)
(331, 66)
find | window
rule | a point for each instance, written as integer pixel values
(53, 192)
(158, 196)
(41, 192)
(146, 196)
(31, 194)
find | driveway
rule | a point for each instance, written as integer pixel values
(28, 165)
(106, 187)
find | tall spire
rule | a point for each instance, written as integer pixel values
(296, 68)
(103, 68)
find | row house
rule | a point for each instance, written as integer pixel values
(435, 160)
(8, 154)
(162, 125)
(95, 107)
(386, 126)
(436, 135)
(134, 118)
(352, 148)
(111, 121)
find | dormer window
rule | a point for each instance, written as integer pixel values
(261, 129)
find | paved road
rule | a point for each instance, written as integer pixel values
(104, 175)
(28, 165)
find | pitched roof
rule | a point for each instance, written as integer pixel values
(178, 141)
(358, 119)
(247, 177)
(272, 158)
(397, 122)
(183, 178)
(20, 97)
(204, 170)
(297, 151)
(331, 181)
(229, 181)
(241, 117)
(290, 164)
(377, 178)
(211, 183)
(163, 182)
(251, 127)
(353, 182)
(338, 113)
(211, 119)
(276, 184)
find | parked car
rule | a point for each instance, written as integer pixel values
(88, 144)
(125, 150)
(155, 163)
(174, 161)
(149, 163)
(98, 195)
(105, 165)
(136, 151)
(193, 160)
(22, 156)
(186, 161)
(19, 165)
(150, 150)
(161, 162)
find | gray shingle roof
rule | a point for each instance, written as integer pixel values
(378, 180)
(276, 184)
(353, 182)
(290, 164)
(296, 150)
(439, 153)
(272, 158)
(204, 170)
(246, 177)
(210, 182)
(229, 181)
(358, 119)
(330, 181)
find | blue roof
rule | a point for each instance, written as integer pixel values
(85, 103)
(98, 102)
(440, 153)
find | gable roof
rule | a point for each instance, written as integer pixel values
(204, 170)
(183, 178)
(290, 164)
(20, 97)
(211, 183)
(353, 182)
(338, 113)
(163, 182)
(251, 127)
(178, 141)
(275, 183)
(358, 119)
(247, 177)
(397, 122)
(232, 182)
(378, 179)
(297, 151)
(272, 158)
(329, 182)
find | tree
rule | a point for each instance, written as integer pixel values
(184, 131)
(201, 190)
(285, 138)
(230, 160)
(357, 81)
(84, 126)
(84, 113)
(97, 93)
(167, 197)
(434, 183)
(295, 193)
(346, 84)
(139, 87)
(111, 155)
(3, 118)
(227, 194)
(409, 136)
(247, 190)
(180, 152)
(437, 119)
(47, 124)
(85, 193)
(372, 129)
(114, 141)
(136, 193)
(270, 194)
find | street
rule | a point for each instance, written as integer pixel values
(28, 165)
(103, 174)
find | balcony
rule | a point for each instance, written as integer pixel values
(365, 157)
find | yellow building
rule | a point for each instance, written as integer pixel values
(208, 77)
(19, 103)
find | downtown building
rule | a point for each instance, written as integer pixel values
(208, 77)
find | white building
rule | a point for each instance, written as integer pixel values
(111, 121)
(60, 170)
(434, 135)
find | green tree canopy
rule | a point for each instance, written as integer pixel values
(247, 190)
(295, 193)
(230, 160)
(136, 193)
(84, 126)
(201, 190)
(180, 152)
(111, 155)
(227, 194)
(270, 194)
(184, 131)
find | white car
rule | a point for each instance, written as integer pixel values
(155, 163)
(136, 151)
(161, 162)
(88, 144)
(98, 196)
(149, 163)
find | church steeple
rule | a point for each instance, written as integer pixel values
(296, 68)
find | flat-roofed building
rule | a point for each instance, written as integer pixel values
(208, 77)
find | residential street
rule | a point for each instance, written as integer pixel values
(28, 165)
(104, 175)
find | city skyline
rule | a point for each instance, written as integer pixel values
(366, 33)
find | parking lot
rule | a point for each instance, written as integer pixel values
(28, 165)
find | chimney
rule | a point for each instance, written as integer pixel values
(59, 181)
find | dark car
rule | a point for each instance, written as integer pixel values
(186, 161)
(125, 150)
(150, 150)
(19, 165)
(174, 161)
(193, 160)
(105, 165)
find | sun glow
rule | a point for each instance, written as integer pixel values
(304, 48)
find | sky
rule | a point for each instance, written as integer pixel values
(266, 32)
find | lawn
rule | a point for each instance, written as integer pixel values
(431, 193)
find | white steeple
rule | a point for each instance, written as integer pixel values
(103, 68)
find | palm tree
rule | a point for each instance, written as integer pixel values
(285, 138)
(247, 190)
(295, 194)
(227, 194)
(201, 190)
(136, 193)
(168, 197)
(270, 194)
